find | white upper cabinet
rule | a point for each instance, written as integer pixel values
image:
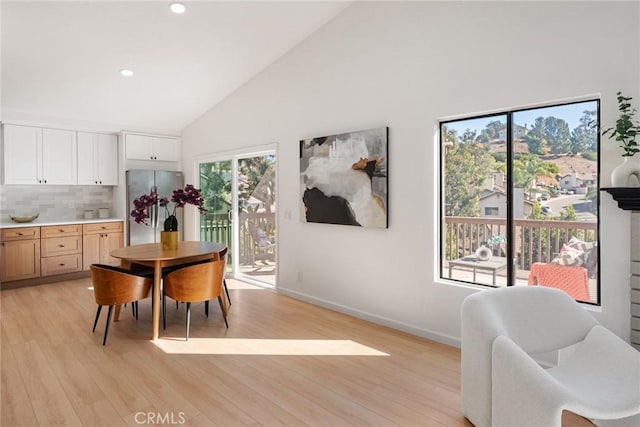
(165, 149)
(34, 155)
(59, 156)
(22, 154)
(97, 159)
(87, 154)
(108, 159)
(144, 147)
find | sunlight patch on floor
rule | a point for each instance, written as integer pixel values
(264, 347)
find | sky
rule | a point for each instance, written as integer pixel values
(570, 113)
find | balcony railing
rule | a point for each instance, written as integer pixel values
(535, 240)
(217, 228)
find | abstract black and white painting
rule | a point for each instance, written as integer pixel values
(344, 178)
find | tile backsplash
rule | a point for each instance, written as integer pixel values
(54, 202)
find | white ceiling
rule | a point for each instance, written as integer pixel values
(61, 59)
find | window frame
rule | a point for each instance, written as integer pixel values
(510, 249)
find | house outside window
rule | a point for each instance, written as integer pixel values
(524, 184)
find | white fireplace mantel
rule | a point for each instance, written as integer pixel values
(628, 198)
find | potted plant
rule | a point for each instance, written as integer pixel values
(625, 132)
(180, 197)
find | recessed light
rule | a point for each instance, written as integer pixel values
(126, 73)
(177, 7)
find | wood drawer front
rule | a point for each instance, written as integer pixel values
(22, 233)
(102, 227)
(60, 264)
(55, 246)
(61, 230)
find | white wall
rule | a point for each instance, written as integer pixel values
(407, 65)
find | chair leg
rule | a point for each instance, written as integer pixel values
(95, 322)
(106, 328)
(135, 305)
(133, 309)
(224, 314)
(164, 310)
(206, 308)
(226, 290)
(188, 319)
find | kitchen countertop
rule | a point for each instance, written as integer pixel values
(40, 222)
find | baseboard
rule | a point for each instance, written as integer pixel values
(43, 280)
(373, 318)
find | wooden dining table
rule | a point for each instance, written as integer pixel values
(152, 255)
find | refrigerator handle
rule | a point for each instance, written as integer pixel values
(154, 217)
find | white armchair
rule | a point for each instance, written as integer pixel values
(597, 375)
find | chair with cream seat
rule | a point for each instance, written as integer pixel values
(115, 286)
(196, 283)
(595, 374)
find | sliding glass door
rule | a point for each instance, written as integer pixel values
(216, 225)
(240, 196)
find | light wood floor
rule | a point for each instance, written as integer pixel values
(282, 362)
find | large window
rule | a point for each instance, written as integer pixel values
(520, 199)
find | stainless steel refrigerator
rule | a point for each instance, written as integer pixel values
(141, 182)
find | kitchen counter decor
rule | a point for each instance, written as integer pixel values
(23, 219)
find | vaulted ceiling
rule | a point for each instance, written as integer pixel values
(61, 59)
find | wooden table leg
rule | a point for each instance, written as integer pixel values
(155, 315)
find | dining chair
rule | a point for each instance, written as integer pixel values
(114, 286)
(138, 270)
(222, 255)
(195, 283)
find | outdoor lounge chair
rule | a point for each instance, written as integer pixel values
(261, 243)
